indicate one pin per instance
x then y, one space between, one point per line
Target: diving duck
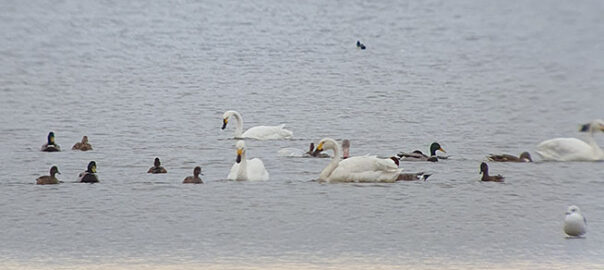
83 145
484 169
524 157
89 176
50 145
195 178
419 156
157 168
49 179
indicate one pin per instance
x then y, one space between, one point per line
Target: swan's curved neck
594 146
242 173
332 165
238 125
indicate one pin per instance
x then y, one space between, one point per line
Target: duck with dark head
195 179
49 179
419 156
484 169
50 145
157 168
89 176
83 145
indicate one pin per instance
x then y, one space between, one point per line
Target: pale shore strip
301 266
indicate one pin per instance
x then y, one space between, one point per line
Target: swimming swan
357 169
573 149
258 132
245 169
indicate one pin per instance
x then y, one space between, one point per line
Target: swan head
225 118
526 156
91 167
54 170
395 159
436 147
51 138
327 143
240 150
595 125
573 209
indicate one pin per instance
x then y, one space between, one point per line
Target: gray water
153 79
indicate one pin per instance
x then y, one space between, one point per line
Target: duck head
85 139
157 163
51 138
91 167
484 168
197 171
436 147
54 170
526 156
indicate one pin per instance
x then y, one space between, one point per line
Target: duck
524 157
50 145
410 176
83 145
573 149
244 169
419 156
49 179
157 168
312 152
359 169
89 176
484 169
361 45
195 178
257 132
574 222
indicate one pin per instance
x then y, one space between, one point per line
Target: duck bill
93 169
584 128
442 150
224 123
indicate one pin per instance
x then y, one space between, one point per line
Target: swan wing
566 149
365 169
256 170
268 133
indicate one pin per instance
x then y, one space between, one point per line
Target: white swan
357 169
573 149
258 132
574 222
244 169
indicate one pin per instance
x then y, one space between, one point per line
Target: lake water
153 79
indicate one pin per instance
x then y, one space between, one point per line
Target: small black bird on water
361 45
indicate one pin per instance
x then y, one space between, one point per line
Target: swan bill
225 121
320 146
239 152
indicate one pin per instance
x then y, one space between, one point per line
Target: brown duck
524 157
49 179
83 145
195 178
484 169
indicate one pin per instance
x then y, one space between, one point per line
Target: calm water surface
153 79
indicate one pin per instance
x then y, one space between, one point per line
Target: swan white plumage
245 169
574 222
362 169
573 149
257 132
